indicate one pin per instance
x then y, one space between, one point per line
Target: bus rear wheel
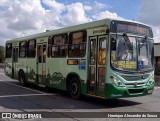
75 88
22 79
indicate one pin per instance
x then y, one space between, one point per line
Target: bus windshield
131 53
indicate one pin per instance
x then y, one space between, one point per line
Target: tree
1 54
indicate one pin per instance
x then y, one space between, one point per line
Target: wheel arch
19 72
71 75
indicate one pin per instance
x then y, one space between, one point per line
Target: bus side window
77 44
59 45
8 50
22 49
49 46
31 48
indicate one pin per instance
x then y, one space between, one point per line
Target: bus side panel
8 67
31 70
57 71
22 65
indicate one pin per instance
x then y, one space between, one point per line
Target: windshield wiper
143 41
127 41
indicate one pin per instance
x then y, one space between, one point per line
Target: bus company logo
143 76
6 115
135 84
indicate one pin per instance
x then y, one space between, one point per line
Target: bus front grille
132 84
135 78
135 91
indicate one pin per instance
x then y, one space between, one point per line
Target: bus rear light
91 82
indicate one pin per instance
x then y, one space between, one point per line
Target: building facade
157 58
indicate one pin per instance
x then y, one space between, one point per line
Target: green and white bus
109 58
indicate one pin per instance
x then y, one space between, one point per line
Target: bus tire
22 78
75 88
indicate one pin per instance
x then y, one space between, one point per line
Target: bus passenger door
41 63
97 65
15 62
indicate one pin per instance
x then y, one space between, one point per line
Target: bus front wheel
75 88
22 79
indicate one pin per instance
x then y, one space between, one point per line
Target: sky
20 18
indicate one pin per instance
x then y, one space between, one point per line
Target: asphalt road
15 98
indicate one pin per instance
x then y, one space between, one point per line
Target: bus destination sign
133 29
127 27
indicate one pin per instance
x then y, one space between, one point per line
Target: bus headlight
151 81
116 81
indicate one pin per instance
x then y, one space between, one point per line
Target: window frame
84 42
28 49
6 54
21 48
65 45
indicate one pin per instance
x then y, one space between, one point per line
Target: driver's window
143 54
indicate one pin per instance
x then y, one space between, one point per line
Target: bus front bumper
112 91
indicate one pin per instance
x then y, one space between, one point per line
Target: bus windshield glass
131 53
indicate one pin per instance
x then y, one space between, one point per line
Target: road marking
24 95
2 73
23 87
